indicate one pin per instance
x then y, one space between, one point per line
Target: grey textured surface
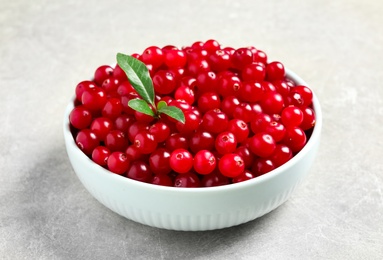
47 47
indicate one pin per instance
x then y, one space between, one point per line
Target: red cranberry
101 126
80 117
214 179
139 171
201 140
231 165
204 162
187 180
102 73
87 140
181 161
100 155
214 121
262 144
118 162
159 161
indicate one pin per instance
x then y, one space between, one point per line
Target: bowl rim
315 136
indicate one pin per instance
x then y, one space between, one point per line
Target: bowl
194 209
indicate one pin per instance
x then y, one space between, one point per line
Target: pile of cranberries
243 117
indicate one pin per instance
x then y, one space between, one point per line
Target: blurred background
47 47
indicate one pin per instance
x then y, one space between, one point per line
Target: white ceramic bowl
194 208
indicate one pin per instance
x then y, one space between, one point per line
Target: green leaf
138 75
141 106
161 104
173 112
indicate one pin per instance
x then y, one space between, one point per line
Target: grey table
47 47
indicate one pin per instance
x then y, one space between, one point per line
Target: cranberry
204 162
241 58
308 119
229 104
100 155
260 56
251 91
276 130
135 128
246 155
175 58
125 88
295 138
275 71
169 48
102 73
119 74
198 45
112 108
219 60
196 54
123 122
87 140
145 142
125 101
111 85
153 55
116 140
133 153
229 85
305 93
181 104
192 122
260 123
118 162
94 98
201 140
162 180
206 81
214 179
262 166
181 161
244 112
187 180
225 143
185 93
139 171
211 46
282 87
254 72
246 175
197 66
281 155
262 144
268 86
159 161
231 165
208 101
176 141
80 117
294 99
291 116
82 86
160 131
101 126
272 103
215 121
239 128
256 108
164 82
229 50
